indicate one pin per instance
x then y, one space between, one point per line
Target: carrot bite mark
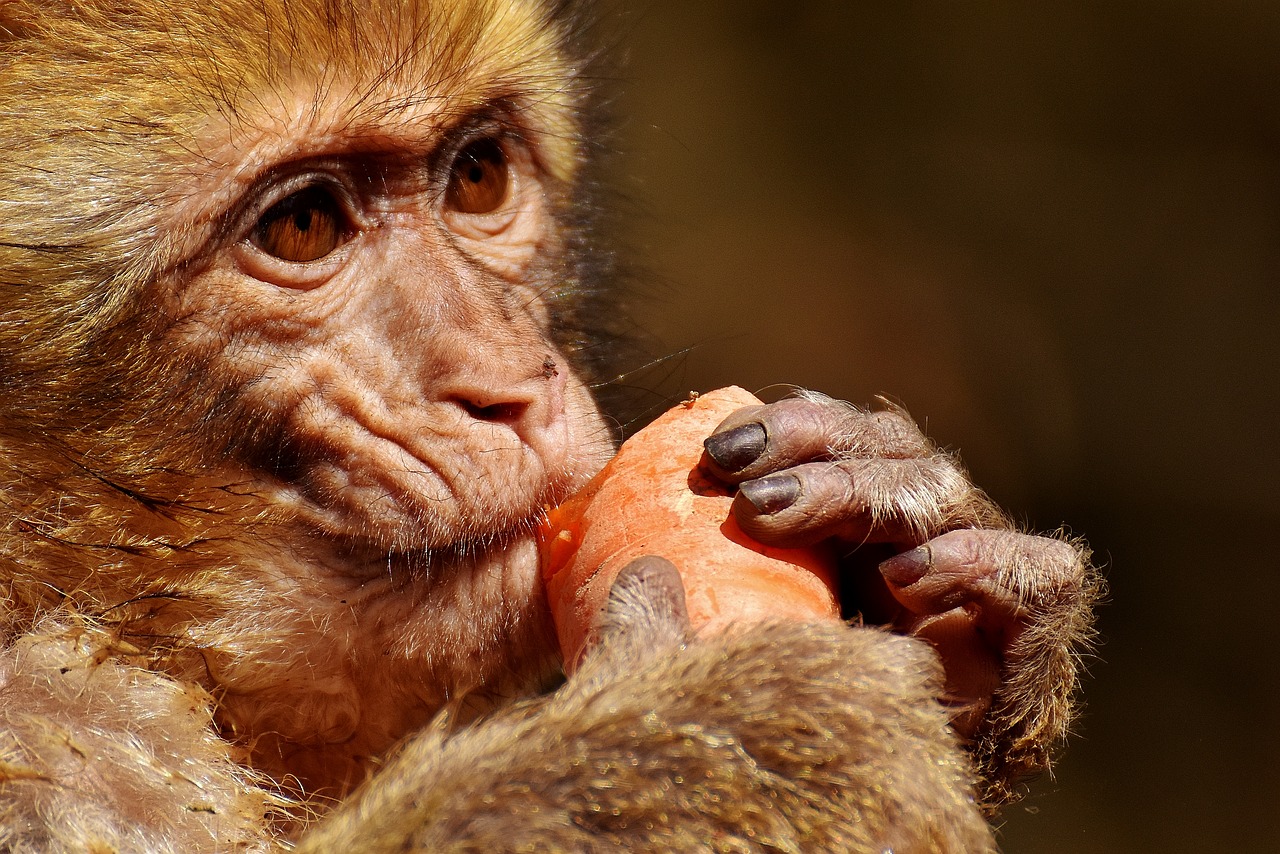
653 499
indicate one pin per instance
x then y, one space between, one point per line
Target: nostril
507 412
529 406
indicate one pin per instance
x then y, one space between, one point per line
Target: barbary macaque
301 308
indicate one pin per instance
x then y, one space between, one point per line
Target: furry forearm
787 737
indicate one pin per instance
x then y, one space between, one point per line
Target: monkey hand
928 554
788 736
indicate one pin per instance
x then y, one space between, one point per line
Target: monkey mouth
401 474
400 496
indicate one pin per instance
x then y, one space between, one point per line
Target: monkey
303 305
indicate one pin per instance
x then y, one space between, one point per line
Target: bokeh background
1050 230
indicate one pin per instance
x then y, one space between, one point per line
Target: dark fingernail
771 494
907 568
738 448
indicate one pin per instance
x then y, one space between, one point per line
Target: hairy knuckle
1041 570
1066 562
900 435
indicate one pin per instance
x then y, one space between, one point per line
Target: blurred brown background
1050 230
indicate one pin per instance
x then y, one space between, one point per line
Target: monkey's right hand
786 736
928 554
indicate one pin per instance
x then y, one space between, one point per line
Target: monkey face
376 306
384 322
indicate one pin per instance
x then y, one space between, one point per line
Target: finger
1001 579
647 592
858 500
757 440
645 610
1005 574
982 598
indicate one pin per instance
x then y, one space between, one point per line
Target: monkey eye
305 226
480 179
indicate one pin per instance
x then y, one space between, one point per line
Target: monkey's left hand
926 553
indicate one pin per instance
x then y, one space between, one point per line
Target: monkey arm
97 755
786 737
927 554
798 737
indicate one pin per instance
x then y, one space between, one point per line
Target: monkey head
337 263
294 291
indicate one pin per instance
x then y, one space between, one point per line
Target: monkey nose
531 408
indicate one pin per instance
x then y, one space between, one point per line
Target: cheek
589 443
409 416
234 334
435 475
374 449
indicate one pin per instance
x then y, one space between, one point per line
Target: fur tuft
69 710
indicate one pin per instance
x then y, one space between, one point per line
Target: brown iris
480 179
306 226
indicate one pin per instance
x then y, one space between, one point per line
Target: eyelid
520 157
275 190
492 122
259 264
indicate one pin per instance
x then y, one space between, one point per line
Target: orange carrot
653 499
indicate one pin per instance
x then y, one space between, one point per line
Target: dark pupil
305 226
481 153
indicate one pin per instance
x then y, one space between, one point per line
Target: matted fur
755 759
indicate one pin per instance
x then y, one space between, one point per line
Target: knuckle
852 431
834 489
1038 570
949 481
1066 562
913 497
899 435
969 547
1043 569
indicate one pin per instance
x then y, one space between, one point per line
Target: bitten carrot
652 498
